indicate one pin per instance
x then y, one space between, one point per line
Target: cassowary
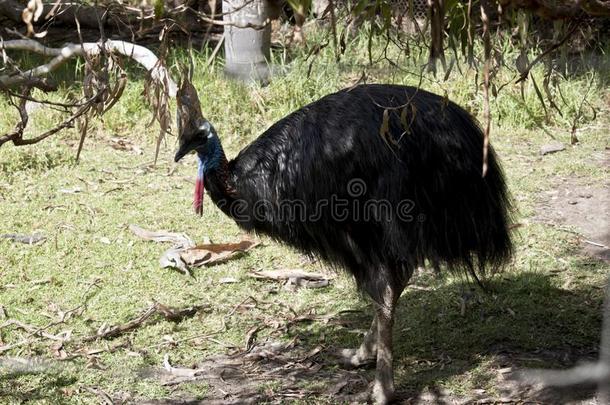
375 179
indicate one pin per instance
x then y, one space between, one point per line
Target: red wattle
198 200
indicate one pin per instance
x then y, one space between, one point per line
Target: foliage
550 296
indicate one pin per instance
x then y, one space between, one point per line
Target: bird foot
382 392
355 357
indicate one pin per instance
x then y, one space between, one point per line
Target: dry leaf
162 236
213 253
171 258
27 239
294 278
125 145
185 254
179 371
74 190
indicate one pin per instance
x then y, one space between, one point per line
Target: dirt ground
294 375
570 204
584 208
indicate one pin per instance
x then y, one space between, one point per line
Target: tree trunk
64 12
437 29
247 39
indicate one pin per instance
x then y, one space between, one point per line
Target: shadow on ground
441 335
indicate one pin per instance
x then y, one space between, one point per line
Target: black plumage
375 179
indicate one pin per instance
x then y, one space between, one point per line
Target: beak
183 150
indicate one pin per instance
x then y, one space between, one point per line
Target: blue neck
210 159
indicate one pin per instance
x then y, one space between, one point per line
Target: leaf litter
238 378
33 239
293 278
164 312
185 254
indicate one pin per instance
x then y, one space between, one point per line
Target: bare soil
584 208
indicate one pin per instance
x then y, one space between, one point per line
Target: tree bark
437 30
64 13
140 54
247 39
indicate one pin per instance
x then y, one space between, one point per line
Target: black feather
425 154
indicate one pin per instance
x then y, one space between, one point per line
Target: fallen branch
33 331
17 136
167 313
26 239
162 236
11 346
61 11
24 365
293 278
140 54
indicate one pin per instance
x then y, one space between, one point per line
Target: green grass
548 301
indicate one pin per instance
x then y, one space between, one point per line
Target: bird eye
204 130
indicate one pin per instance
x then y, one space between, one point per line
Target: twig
590 242
11 346
168 313
120 329
103 396
33 331
16 137
214 52
554 46
140 54
249 298
486 69
199 336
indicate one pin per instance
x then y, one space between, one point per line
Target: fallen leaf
27 239
179 371
285 274
171 258
505 370
58 350
74 190
293 283
213 253
251 337
125 145
294 278
162 236
228 280
185 254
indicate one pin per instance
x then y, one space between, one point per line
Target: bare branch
140 54
553 47
69 123
20 126
486 109
554 9
64 12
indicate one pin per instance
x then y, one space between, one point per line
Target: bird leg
366 353
383 388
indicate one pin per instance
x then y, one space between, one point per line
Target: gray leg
383 388
366 353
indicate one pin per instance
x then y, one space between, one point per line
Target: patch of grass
547 302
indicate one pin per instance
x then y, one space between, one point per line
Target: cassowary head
196 134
